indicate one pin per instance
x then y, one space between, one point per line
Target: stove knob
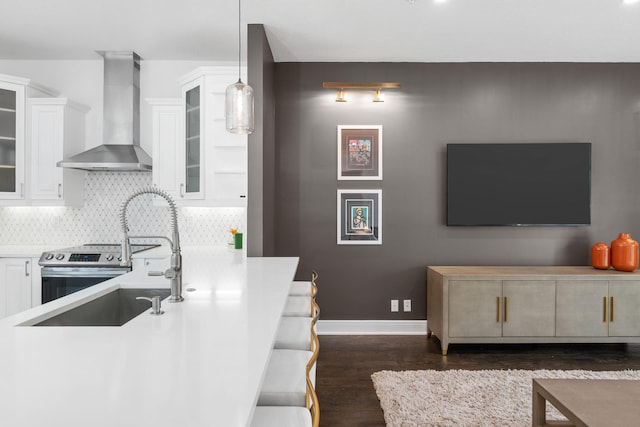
120 258
48 256
59 256
109 257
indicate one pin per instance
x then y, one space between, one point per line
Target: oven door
60 281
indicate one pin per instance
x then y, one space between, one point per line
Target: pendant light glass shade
239 97
239 107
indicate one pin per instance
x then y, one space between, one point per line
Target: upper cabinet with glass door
11 140
192 188
13 92
194 157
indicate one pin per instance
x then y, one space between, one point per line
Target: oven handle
83 272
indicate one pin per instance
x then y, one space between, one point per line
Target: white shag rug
460 398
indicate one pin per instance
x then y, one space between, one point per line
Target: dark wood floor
344 369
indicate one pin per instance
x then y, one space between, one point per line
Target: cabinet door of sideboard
582 308
529 308
624 312
475 308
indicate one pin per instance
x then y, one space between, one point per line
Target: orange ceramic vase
624 253
600 256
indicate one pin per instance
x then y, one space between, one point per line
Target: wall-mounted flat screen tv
519 184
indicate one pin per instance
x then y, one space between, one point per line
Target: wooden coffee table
593 403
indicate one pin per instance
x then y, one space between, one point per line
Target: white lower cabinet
15 285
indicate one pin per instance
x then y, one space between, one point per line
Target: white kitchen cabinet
56 129
166 134
195 158
15 285
13 94
36 282
192 160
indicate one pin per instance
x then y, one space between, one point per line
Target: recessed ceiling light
630 1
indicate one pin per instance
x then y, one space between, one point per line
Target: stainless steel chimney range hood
121 149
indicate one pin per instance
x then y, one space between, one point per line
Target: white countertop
24 251
200 364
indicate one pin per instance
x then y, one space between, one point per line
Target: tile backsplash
97 221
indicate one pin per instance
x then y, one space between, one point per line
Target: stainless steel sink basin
113 309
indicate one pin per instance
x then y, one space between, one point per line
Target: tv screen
519 184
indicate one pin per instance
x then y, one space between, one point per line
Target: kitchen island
199 364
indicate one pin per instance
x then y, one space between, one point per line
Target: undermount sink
113 309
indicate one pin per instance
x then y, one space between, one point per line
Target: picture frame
359 217
359 152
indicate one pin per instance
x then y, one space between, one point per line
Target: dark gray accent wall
437 104
261 149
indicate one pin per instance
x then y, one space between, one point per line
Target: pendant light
239 98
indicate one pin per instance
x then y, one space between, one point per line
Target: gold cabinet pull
497 309
611 305
506 309
604 309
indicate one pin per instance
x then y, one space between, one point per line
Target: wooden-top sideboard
481 304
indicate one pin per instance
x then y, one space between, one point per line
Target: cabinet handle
181 190
497 309
22 189
604 309
506 309
26 268
59 191
611 305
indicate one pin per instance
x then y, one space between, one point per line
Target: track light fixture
377 87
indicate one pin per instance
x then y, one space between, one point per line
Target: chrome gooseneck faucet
174 273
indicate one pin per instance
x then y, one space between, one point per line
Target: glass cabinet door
8 127
192 148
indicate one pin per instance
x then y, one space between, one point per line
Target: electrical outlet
407 305
394 305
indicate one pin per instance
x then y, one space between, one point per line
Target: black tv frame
560 171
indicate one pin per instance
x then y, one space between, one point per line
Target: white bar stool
294 333
289 416
285 381
302 288
298 306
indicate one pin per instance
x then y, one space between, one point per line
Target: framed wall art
359 152
359 217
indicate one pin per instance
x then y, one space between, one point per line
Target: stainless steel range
68 270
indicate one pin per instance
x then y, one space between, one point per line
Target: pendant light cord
239 38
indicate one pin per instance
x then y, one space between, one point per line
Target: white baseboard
372 327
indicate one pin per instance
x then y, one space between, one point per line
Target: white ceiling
326 30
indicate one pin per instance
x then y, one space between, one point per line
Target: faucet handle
156 305
169 273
